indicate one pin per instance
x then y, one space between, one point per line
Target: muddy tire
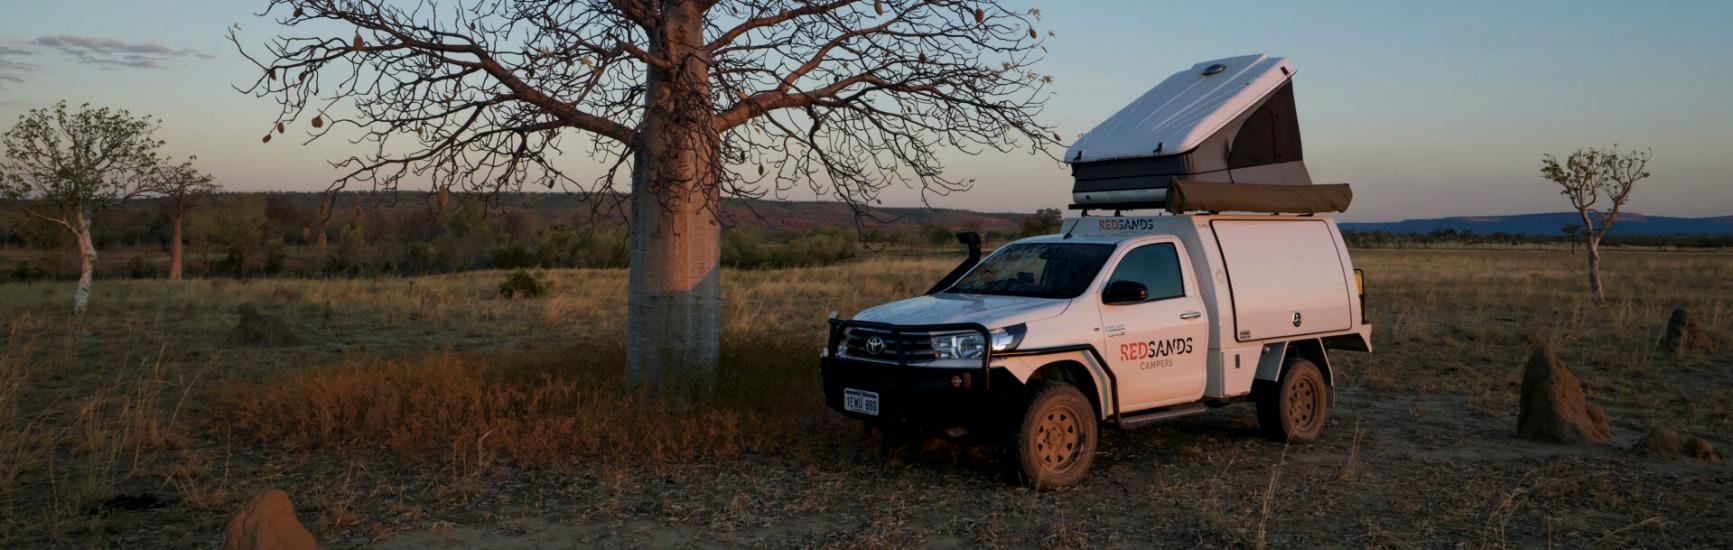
1293 410
1053 445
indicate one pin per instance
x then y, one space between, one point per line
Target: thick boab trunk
674 290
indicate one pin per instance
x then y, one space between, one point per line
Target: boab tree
63 167
183 189
698 99
1587 178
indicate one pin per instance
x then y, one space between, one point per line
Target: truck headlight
1008 337
958 346
970 345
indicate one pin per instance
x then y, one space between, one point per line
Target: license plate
864 402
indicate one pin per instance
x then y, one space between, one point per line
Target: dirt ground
1420 448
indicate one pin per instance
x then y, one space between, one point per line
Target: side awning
1193 196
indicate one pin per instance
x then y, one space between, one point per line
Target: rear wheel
1054 444
1293 410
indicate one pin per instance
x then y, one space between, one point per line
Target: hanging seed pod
444 196
267 138
879 6
980 16
279 127
760 169
587 61
302 78
299 12
358 42
271 74
318 121
1057 137
1032 33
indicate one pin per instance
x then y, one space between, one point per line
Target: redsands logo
1134 351
1124 224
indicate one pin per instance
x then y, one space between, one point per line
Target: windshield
1040 270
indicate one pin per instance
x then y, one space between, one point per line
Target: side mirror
1124 292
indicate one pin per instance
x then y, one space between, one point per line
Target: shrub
275 257
234 262
520 284
24 272
513 257
139 268
601 246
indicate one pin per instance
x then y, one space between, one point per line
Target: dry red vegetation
472 409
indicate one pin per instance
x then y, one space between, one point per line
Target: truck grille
917 345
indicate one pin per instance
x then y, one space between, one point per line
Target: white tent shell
1228 120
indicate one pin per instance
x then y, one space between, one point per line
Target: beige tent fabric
1192 196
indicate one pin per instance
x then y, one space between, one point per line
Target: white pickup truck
1125 321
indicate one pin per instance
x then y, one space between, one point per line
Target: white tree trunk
674 288
1594 253
86 259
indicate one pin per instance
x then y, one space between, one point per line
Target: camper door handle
1189 315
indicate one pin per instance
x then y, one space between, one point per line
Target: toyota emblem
875 345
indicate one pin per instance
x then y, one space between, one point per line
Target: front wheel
1055 443
1293 409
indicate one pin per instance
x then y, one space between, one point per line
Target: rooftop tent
1226 121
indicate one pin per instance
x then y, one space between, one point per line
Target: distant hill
1549 224
576 209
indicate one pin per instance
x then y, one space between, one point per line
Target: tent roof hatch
1229 121
1179 113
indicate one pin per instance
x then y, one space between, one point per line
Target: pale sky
1429 108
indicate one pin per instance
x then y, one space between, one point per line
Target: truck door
1157 346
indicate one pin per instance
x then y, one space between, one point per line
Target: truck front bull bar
837 327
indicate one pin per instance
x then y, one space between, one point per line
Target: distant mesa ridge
1550 224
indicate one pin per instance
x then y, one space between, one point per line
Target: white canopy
1181 112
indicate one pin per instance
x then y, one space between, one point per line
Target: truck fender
1080 366
1275 355
1074 373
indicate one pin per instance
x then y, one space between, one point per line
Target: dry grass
413 399
537 409
1468 316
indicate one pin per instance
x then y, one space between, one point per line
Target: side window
1154 265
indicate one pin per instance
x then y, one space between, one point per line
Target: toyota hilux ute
1125 321
1130 320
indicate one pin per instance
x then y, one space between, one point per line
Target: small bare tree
1588 177
62 167
700 99
183 189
